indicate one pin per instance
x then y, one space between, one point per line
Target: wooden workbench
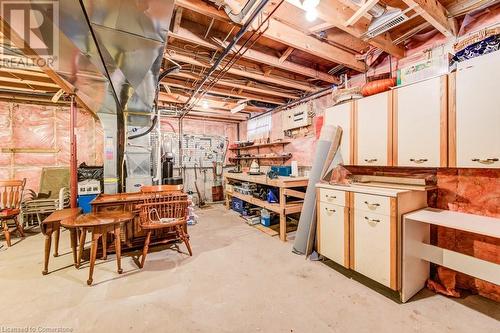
286 187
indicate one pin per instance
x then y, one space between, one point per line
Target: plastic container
84 202
265 217
237 205
282 170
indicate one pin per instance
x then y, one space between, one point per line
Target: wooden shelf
274 207
261 145
284 157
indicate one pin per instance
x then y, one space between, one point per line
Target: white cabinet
373 130
341 115
332 229
420 133
372 246
476 117
364 234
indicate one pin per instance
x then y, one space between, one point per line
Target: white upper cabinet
341 115
373 120
420 137
477 113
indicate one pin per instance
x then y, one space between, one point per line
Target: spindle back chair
11 195
164 210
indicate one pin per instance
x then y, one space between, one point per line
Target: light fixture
310 4
311 14
205 105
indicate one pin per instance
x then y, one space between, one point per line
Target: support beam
282 33
434 13
177 19
361 12
257 56
286 54
336 13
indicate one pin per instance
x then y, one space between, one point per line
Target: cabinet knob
372 220
485 161
370 160
418 160
330 210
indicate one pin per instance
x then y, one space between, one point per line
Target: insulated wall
43 134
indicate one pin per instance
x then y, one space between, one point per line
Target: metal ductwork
111 51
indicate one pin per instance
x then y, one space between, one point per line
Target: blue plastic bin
282 170
237 205
84 202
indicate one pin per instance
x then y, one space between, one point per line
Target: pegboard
199 150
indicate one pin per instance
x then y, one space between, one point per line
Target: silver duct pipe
111 51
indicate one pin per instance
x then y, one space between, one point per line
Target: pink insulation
45 128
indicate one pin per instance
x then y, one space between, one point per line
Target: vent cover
386 22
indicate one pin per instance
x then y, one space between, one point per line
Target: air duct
238 10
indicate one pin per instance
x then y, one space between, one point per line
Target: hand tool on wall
201 200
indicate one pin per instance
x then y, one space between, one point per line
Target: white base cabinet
365 233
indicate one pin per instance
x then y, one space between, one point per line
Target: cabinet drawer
372 203
372 246
333 232
332 196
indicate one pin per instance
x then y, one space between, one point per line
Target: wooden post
73 158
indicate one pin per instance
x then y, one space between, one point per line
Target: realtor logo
31 38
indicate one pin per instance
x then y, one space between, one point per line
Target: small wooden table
100 224
53 224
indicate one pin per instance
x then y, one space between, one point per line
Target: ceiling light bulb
311 15
205 105
310 4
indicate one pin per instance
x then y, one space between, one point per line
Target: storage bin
282 170
237 205
84 202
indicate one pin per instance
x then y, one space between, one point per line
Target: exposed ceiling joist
177 19
257 56
249 87
220 91
256 76
361 11
336 13
435 13
282 33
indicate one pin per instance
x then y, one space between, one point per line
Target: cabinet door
373 126
420 137
333 233
478 112
341 115
372 246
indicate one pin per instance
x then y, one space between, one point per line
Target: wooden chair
11 194
164 210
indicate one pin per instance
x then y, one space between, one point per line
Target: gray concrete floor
239 280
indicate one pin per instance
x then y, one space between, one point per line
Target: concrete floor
239 280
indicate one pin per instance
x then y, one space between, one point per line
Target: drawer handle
372 205
330 210
485 161
372 220
418 160
331 197
370 160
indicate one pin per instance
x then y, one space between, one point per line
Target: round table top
97 219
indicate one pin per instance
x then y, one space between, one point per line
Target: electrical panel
296 117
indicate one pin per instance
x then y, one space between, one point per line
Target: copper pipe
73 164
